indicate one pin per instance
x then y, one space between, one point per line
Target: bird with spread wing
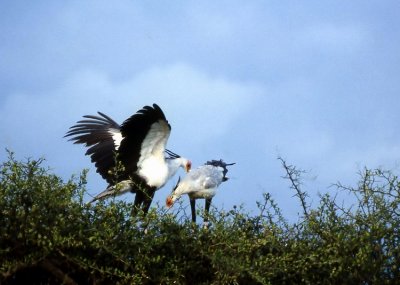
200 183
131 157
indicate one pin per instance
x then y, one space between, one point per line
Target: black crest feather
220 163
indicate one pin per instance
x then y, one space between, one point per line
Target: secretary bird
131 157
200 183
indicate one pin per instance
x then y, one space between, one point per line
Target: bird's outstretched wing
145 135
103 137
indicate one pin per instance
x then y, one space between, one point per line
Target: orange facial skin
169 202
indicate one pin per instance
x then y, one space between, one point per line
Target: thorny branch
293 175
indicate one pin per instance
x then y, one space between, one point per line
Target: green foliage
49 235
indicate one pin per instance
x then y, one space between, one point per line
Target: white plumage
200 183
132 156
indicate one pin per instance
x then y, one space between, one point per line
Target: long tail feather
115 190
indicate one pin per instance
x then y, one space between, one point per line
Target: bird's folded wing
210 182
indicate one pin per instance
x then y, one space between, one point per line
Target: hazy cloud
331 37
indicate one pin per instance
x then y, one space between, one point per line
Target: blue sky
316 82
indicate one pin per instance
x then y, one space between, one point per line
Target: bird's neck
173 165
181 189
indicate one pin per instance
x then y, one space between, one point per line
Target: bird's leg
139 197
193 208
206 211
148 197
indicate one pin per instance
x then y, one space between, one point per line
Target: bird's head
178 161
170 201
173 197
187 165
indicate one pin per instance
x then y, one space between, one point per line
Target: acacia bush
49 235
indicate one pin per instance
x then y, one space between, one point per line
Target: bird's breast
154 170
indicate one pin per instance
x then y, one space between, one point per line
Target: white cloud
197 102
200 108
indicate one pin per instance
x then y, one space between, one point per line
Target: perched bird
132 156
200 183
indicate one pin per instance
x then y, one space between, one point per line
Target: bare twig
293 175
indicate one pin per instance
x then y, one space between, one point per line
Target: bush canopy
50 235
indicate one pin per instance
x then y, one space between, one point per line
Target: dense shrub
49 235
